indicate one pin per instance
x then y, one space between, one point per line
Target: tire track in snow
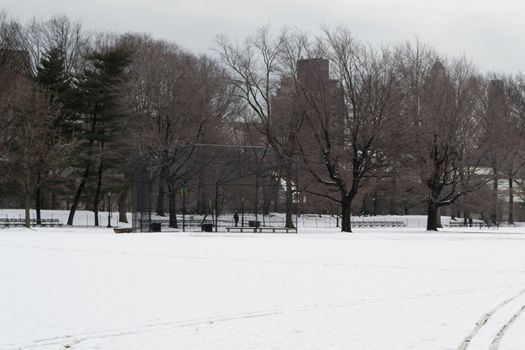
497 339
486 317
74 339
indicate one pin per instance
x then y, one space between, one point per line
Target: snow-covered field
83 288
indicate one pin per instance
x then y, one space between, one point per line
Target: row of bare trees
421 128
358 116
75 105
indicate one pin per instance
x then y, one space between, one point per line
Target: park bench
240 229
477 223
123 230
374 223
259 229
7 222
457 224
49 222
275 229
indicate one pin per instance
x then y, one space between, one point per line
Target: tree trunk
438 218
162 184
494 216
511 200
374 203
346 212
53 201
364 210
27 199
96 200
289 203
275 189
160 198
123 207
432 215
80 189
27 206
87 170
38 205
201 206
392 206
217 203
172 202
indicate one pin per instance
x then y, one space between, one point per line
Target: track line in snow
118 332
497 339
486 317
73 339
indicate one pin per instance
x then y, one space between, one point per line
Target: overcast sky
490 32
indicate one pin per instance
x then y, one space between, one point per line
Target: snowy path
89 289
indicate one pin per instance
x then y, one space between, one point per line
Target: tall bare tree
255 68
179 99
444 147
352 120
28 141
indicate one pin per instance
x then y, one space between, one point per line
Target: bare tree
351 126
179 99
514 135
29 140
443 148
39 37
255 68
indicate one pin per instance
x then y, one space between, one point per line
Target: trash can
207 227
253 223
155 227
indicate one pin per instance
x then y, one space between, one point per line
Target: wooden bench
241 229
260 229
373 223
21 222
123 229
457 224
479 224
49 222
275 229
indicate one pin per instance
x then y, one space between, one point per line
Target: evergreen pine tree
101 89
55 83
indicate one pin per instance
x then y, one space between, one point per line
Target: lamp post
109 210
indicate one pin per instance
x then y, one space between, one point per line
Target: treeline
75 105
401 122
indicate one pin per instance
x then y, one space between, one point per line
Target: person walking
236 218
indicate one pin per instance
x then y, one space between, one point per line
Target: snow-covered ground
85 288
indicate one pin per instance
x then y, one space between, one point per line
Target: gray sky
490 32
